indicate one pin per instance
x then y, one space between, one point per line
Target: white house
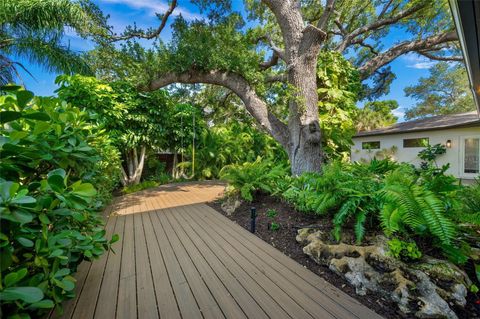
460 133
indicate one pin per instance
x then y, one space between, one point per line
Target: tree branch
329 7
237 84
275 48
272 62
384 58
282 77
440 58
149 35
378 24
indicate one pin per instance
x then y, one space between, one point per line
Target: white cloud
416 61
156 6
399 113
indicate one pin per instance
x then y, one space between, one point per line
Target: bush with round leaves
49 221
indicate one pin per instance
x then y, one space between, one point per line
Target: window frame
462 157
416 138
371 148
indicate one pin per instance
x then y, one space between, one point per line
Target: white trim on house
454 155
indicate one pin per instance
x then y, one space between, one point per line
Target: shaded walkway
179 258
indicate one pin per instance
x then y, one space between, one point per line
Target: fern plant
409 206
247 178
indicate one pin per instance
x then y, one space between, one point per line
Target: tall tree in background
280 55
376 114
444 91
34 29
137 122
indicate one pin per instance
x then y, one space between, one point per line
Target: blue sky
408 68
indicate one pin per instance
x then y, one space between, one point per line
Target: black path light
253 217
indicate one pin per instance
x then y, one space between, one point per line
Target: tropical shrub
48 209
247 178
234 143
135 122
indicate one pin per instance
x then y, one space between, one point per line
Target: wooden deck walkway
179 258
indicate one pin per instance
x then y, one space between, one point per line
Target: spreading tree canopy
273 64
444 91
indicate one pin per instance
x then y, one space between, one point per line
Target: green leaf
24 200
84 190
39 116
58 171
114 239
62 272
41 127
23 97
25 242
44 304
56 182
22 217
44 219
9 116
56 253
26 294
7 189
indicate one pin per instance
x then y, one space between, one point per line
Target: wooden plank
167 304
249 265
185 299
107 298
226 290
127 299
147 304
250 296
207 303
294 290
336 300
85 307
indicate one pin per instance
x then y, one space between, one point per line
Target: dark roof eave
373 133
466 15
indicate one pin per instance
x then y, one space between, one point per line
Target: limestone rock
425 288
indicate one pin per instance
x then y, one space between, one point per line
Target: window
371 145
472 155
415 142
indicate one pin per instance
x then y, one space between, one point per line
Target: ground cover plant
399 200
49 220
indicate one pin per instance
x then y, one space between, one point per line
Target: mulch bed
284 240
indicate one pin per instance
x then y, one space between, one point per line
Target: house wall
454 155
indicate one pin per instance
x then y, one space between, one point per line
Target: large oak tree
277 58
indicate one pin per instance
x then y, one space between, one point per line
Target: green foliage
274 226
406 251
271 213
48 210
375 115
339 86
411 207
346 189
402 200
469 210
34 30
131 118
444 91
234 143
430 153
140 186
247 178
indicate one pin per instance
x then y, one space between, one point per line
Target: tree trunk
305 151
135 164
